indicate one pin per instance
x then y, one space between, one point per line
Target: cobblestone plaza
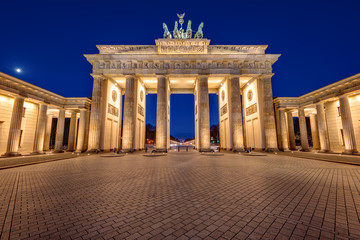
181 196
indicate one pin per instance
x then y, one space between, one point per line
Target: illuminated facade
175 66
26 113
240 75
334 113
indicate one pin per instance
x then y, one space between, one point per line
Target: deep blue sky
318 40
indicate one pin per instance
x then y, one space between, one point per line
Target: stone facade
241 75
334 113
26 114
175 66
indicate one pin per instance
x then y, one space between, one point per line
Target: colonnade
43 129
319 128
201 93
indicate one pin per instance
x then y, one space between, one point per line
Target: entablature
256 64
153 49
14 86
347 86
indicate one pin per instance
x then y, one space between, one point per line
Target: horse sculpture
188 30
176 31
167 34
199 33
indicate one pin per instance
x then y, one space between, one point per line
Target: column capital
263 76
97 76
200 76
343 96
159 75
130 76
20 96
231 76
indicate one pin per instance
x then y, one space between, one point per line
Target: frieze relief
167 46
104 49
251 109
182 65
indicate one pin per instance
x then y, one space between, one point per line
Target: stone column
161 114
40 130
119 121
204 117
236 116
347 124
95 116
129 114
72 132
303 130
15 127
60 132
81 131
322 126
269 117
314 131
87 130
283 130
291 130
48 132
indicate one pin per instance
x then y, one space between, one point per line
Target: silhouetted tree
214 132
150 132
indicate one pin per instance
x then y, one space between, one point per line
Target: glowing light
18 70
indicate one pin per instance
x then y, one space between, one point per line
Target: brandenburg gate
181 63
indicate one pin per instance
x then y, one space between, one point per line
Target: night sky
318 40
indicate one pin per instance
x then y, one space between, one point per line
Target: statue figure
176 31
199 33
167 34
188 30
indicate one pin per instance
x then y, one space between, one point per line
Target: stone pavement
330 157
9 162
181 196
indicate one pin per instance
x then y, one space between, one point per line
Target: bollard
178 148
187 148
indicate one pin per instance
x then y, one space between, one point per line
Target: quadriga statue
176 31
167 34
188 30
199 33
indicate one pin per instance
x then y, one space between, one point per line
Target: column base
93 151
37 153
350 151
160 150
205 150
236 150
58 151
285 150
325 151
127 150
271 150
11 154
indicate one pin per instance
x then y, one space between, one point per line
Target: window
339 112
24 110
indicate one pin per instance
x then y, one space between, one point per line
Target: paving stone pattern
181 196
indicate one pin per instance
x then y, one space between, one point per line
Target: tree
150 133
214 133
